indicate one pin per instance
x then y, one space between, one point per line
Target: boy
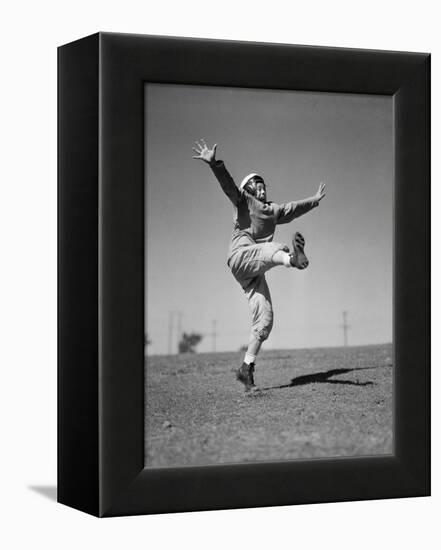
252 250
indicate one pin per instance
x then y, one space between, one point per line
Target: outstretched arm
223 176
295 209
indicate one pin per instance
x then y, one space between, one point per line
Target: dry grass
314 403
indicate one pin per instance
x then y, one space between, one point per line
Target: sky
294 140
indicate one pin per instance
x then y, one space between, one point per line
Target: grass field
314 403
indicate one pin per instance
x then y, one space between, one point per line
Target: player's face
260 192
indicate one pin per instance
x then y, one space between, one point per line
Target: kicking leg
253 261
249 262
297 258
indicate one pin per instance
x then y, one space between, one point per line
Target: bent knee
263 329
262 334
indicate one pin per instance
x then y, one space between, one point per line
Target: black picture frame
101 273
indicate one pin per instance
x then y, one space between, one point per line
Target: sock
249 358
286 259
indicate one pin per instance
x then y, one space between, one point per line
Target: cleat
245 375
298 258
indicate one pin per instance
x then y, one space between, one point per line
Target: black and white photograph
221 248
269 249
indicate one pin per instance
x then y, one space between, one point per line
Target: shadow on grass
322 378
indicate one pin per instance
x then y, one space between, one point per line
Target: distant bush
189 342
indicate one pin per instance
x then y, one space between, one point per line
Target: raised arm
223 176
295 209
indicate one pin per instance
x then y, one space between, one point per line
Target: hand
321 192
204 153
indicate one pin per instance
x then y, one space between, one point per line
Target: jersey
255 221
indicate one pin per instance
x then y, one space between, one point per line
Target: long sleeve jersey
255 221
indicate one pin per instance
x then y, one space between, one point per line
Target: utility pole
213 335
345 327
178 329
170 332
